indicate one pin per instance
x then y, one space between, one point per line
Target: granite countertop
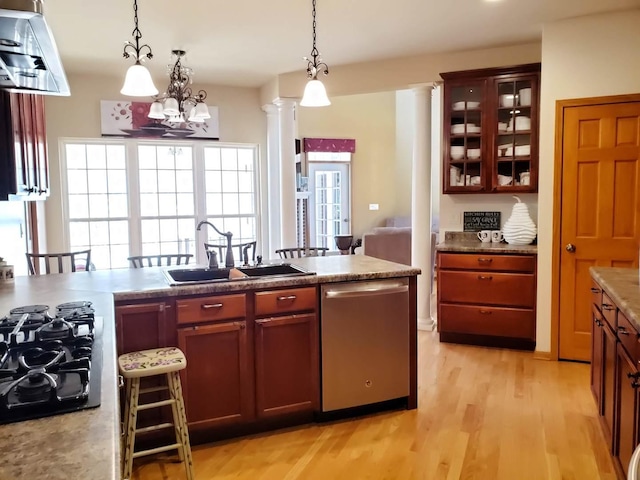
85 444
623 286
467 242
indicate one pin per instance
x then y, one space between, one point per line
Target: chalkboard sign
476 221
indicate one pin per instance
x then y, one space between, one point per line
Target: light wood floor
483 414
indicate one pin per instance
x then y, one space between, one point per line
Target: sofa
391 242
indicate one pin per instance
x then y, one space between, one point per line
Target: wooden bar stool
158 361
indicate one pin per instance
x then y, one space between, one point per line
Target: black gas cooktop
50 360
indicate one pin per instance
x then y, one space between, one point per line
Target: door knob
570 247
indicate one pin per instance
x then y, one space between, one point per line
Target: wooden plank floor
483 414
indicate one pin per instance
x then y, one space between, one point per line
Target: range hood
29 59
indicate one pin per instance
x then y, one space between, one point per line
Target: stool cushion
151 362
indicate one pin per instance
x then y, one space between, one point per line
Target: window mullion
133 179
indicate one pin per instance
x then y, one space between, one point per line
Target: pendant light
315 94
138 82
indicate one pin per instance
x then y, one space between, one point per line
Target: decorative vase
519 229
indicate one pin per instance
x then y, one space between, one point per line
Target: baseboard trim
538 355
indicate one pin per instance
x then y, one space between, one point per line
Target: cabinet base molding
488 341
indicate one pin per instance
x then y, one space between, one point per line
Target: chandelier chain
315 64
129 48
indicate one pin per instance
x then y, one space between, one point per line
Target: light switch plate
374 206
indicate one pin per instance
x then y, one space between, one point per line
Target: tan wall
370 119
584 57
401 73
78 116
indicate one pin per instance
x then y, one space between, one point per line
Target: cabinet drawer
283 301
480 320
609 311
473 261
487 288
628 336
596 294
209 309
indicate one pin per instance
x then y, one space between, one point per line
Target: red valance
330 145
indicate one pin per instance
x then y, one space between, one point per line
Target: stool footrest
161 403
161 388
151 451
153 428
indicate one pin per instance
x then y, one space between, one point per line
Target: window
126 198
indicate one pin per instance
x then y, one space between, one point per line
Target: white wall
78 116
584 57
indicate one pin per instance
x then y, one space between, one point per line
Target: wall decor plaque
476 221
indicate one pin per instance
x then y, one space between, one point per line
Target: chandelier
315 94
138 82
178 104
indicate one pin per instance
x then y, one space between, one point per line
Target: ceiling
248 42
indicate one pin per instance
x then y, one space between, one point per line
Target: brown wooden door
217 383
287 377
626 418
600 209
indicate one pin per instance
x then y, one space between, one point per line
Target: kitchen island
85 444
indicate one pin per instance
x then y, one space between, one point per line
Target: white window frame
133 190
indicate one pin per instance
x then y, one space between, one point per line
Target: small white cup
484 236
496 236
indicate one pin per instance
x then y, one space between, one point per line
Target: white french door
329 202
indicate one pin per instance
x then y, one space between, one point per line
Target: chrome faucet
228 262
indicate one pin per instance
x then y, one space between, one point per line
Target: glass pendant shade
202 111
193 116
138 82
315 95
156 111
171 107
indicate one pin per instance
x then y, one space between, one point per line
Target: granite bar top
468 242
85 444
622 285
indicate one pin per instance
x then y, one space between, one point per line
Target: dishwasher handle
362 292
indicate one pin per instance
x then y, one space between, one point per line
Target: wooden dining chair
299 252
240 248
64 262
169 259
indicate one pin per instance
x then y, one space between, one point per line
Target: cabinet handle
240 325
607 306
482 277
622 331
208 306
486 312
598 322
633 375
484 260
260 322
120 381
595 290
288 297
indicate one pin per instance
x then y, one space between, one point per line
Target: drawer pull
209 306
622 331
484 260
598 322
486 312
287 297
607 306
634 379
482 277
261 322
595 290
240 325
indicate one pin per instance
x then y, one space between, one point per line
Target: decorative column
272 233
286 122
421 203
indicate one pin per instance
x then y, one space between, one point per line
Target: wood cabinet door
600 209
287 359
597 348
218 381
40 155
143 326
627 407
609 382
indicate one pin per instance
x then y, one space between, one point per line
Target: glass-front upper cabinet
491 130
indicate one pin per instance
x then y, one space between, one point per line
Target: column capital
270 109
284 102
424 87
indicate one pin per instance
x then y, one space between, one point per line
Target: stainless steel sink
185 276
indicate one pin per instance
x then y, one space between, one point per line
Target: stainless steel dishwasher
365 342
